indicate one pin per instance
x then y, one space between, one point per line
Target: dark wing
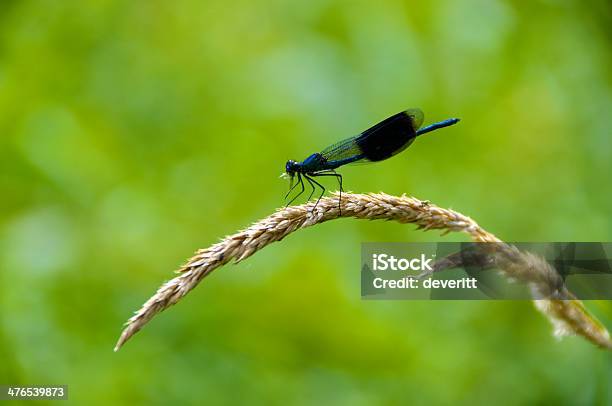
391 136
413 116
379 142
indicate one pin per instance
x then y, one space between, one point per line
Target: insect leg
312 186
301 182
320 185
291 188
339 178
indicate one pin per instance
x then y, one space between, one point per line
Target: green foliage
132 133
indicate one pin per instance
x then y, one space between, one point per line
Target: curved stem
568 316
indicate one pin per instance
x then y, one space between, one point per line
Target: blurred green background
133 133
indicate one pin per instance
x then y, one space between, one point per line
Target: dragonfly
382 141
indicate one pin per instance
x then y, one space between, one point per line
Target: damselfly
385 139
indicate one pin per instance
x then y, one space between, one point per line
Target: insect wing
390 136
416 116
342 150
379 142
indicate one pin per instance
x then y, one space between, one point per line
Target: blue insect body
384 140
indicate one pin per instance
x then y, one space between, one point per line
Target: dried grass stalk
567 314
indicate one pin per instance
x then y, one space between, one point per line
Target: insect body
384 140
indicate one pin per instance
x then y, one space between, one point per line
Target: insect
386 139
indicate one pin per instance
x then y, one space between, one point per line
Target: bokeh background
133 133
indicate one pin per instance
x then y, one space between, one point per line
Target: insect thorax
313 163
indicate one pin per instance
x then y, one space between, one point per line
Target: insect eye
291 167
